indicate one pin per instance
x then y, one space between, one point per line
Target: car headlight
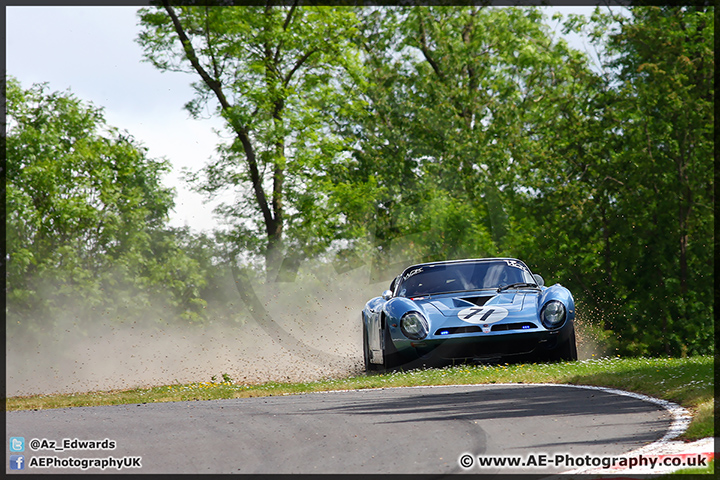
414 326
553 314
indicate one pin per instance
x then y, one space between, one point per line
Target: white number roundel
478 315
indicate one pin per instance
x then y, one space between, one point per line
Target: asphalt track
395 430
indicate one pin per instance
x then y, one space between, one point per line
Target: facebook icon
17 462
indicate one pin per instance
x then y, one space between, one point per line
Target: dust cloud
592 341
312 331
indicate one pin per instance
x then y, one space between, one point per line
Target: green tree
86 213
275 74
454 137
622 188
664 58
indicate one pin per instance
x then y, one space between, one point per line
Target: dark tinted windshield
455 277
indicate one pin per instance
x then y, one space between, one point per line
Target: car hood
451 306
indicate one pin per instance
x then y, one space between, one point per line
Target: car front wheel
566 351
391 357
369 367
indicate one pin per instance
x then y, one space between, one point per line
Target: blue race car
467 310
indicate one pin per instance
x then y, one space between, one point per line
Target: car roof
465 260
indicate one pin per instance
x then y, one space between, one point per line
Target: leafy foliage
86 221
651 182
275 74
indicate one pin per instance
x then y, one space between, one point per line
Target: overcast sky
92 52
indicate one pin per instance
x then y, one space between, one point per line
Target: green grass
686 381
710 469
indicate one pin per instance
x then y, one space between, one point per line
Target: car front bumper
483 345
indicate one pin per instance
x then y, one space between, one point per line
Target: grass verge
691 471
686 381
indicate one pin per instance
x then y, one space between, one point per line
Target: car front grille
495 328
513 326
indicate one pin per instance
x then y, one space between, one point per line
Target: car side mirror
387 295
539 280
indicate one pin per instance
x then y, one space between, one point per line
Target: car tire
566 351
391 356
369 367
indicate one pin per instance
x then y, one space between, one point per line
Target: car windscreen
456 277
